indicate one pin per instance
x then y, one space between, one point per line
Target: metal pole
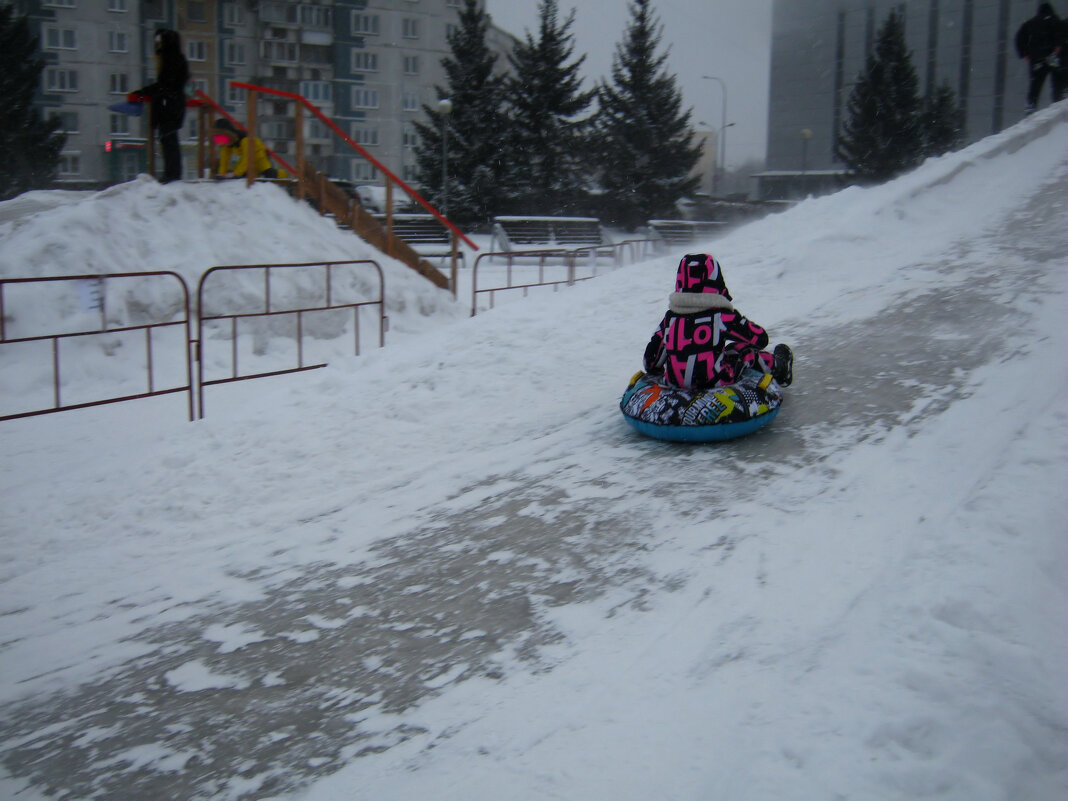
444 109
722 128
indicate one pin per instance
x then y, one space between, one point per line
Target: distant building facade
819 47
369 65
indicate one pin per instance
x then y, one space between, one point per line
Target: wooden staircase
331 199
324 193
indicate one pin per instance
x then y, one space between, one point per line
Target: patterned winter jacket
703 341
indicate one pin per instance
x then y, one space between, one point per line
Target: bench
422 232
683 232
508 232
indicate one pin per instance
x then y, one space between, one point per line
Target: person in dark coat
1039 43
1059 76
167 96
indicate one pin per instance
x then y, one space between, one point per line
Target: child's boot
783 369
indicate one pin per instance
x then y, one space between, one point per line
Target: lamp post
445 109
806 134
722 128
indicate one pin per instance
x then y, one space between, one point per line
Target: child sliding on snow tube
703 341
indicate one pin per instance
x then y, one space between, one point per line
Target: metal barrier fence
84 313
327 303
83 297
567 260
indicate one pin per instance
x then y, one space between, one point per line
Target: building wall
92 56
819 47
370 65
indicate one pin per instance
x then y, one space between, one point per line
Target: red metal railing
98 283
391 179
206 101
329 303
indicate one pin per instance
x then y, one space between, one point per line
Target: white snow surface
448 569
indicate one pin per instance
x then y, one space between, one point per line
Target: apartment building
819 47
368 65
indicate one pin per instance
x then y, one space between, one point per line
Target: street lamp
445 109
722 127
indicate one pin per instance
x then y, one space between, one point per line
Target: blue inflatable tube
669 413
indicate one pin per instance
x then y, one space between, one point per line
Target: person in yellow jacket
234 144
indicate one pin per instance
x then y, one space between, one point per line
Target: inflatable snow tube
709 415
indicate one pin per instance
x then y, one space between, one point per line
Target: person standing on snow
167 96
703 341
1039 43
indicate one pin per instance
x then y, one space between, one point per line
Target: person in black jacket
1039 42
167 96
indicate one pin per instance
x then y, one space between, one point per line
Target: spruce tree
942 122
645 149
550 128
882 136
476 127
29 145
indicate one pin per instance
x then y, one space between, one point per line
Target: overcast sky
730 39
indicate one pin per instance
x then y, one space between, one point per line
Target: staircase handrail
348 140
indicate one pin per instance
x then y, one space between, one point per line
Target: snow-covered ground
448 569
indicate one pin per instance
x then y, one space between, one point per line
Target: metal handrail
348 140
207 99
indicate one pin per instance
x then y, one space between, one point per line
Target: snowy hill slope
448 569
188 228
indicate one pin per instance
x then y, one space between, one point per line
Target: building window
235 53
410 101
60 38
316 16
70 164
153 9
363 171
194 10
200 85
368 137
68 122
316 91
235 94
411 65
120 124
118 83
279 12
364 98
233 14
196 50
316 130
117 42
452 3
364 24
276 130
117 5
364 61
410 28
60 3
60 80
279 51
410 137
